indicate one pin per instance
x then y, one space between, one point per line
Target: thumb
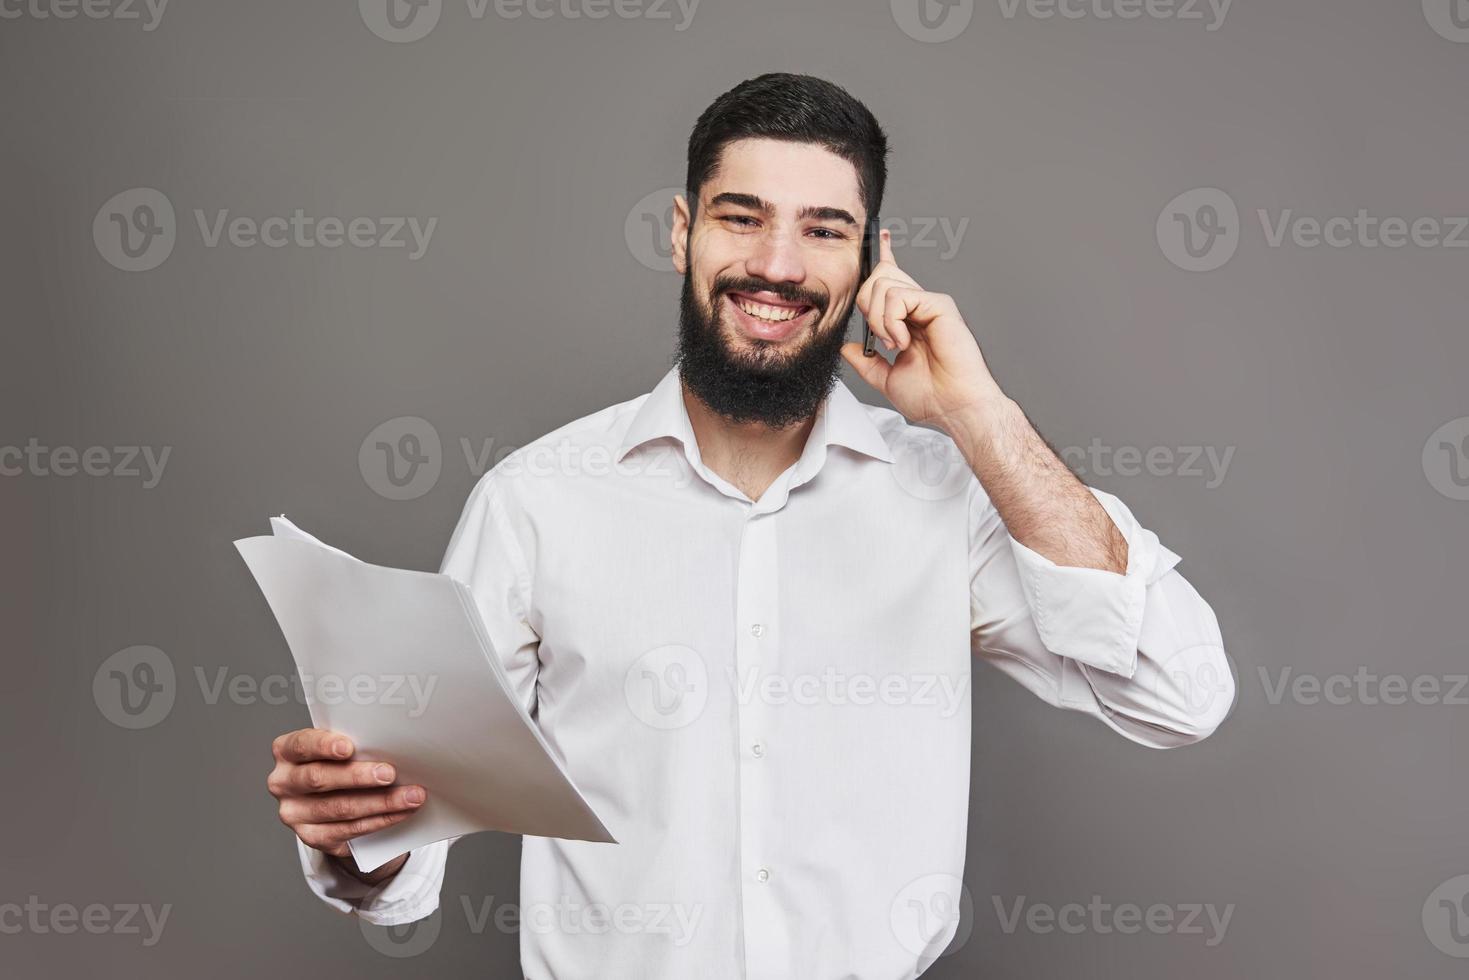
874 370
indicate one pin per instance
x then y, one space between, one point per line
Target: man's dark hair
799 109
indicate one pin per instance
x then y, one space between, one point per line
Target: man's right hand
327 797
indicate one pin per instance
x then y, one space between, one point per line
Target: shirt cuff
1091 615
410 895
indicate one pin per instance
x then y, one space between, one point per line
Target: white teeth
773 314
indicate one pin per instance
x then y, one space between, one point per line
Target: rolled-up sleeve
1141 651
410 895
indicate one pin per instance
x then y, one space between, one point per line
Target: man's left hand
939 375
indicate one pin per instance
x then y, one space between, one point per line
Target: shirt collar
840 420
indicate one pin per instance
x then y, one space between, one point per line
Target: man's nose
776 259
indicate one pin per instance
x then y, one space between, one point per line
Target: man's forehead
786 174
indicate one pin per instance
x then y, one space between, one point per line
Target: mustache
789 292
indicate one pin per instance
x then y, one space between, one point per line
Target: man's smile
767 317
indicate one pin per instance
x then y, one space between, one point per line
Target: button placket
766 937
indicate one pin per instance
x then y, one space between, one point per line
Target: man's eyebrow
826 214
755 203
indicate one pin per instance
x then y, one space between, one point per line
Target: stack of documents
400 662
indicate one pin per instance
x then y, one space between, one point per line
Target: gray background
1326 548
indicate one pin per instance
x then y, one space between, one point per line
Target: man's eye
739 218
828 234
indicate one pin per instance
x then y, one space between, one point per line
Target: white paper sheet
400 662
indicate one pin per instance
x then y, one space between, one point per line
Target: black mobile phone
871 252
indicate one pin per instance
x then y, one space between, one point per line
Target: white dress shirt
767 701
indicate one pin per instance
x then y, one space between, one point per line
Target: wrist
981 427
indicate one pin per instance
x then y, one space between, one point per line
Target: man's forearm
1044 506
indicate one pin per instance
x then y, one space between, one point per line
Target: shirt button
762 876
758 749
757 630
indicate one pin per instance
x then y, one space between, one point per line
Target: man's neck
749 455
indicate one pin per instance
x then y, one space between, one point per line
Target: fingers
332 837
323 777
349 805
876 302
310 744
897 303
873 370
885 312
897 308
326 799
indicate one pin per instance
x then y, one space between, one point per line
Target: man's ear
682 224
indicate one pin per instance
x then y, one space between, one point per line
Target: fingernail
384 774
414 796
341 748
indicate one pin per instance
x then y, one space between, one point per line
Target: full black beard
768 386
